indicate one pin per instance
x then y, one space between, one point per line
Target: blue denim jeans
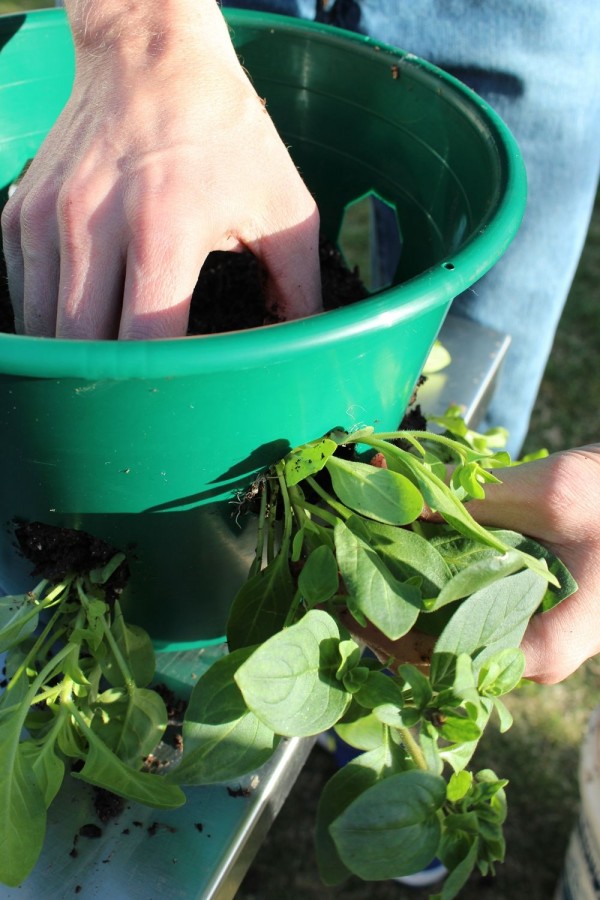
537 62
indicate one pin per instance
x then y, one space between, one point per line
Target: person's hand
556 501
163 153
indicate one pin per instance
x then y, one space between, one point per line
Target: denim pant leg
538 65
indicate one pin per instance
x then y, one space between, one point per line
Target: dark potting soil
107 805
229 294
56 552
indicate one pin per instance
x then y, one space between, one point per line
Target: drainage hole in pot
370 240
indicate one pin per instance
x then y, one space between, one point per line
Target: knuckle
145 210
73 204
35 216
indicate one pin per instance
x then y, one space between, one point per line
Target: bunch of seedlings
401 634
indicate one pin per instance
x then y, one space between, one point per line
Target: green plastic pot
146 444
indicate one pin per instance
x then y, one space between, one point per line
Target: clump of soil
229 294
56 552
107 805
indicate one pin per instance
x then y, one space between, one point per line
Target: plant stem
37 647
413 748
127 677
381 441
260 536
287 510
271 522
101 576
338 508
46 672
289 619
321 513
298 506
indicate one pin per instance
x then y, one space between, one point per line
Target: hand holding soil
163 153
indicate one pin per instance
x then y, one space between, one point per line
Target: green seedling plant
343 562
77 696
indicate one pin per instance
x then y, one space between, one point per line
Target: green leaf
18 619
361 729
308 460
420 685
566 584
379 494
136 649
22 806
103 769
309 537
374 593
70 741
350 781
439 497
222 738
261 605
405 553
494 618
429 741
459 875
459 729
438 359
392 828
459 755
319 580
290 682
379 689
350 654
131 723
48 768
464 686
354 680
478 575
468 480
459 784
502 672
504 715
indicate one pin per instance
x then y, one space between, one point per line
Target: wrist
143 28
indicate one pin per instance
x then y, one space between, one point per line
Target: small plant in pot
343 560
